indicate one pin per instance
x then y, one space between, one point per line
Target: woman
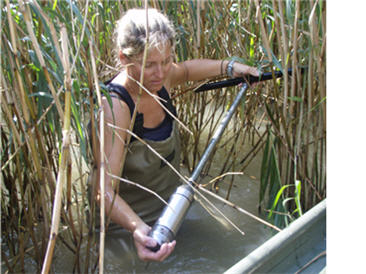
133 207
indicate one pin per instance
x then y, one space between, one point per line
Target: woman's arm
114 140
120 212
201 69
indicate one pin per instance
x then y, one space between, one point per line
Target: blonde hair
131 31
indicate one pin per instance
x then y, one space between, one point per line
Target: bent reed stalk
283 120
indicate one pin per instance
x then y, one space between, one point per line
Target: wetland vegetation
55 55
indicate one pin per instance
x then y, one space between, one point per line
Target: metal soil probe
166 227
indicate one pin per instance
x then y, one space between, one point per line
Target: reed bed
54 54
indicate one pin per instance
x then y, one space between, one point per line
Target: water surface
205 244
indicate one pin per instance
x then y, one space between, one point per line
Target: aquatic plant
54 56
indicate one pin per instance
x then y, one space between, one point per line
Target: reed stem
65 155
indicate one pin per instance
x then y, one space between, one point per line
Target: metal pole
218 133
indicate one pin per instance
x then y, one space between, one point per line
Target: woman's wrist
227 68
223 67
137 224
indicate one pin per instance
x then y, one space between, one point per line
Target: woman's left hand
142 241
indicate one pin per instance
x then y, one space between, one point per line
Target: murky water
204 244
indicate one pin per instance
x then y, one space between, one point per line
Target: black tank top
159 133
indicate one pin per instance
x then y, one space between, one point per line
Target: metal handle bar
247 79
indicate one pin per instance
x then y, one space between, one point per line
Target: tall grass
295 147
48 95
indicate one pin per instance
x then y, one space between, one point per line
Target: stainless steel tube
167 226
218 133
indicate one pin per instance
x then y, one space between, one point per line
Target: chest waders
142 166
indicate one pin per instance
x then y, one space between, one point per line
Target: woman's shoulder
116 111
118 94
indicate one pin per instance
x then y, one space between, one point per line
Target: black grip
236 81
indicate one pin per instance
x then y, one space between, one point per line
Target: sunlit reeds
284 120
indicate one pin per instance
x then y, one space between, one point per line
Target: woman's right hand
142 240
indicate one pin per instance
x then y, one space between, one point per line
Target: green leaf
295 98
54 5
251 51
318 104
279 193
274 58
297 196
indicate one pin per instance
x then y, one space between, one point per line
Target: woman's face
157 67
